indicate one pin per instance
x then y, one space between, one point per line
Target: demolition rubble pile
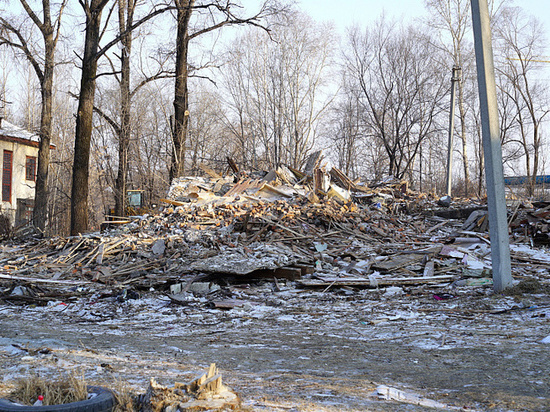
315 227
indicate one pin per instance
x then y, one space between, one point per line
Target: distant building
19 162
522 180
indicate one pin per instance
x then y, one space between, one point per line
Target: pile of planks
283 224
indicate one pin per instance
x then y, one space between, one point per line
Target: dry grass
66 389
126 400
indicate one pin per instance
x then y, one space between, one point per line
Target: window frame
27 163
7 173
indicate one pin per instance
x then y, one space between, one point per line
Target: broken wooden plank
341 179
228 303
38 280
429 269
379 281
240 187
232 165
209 171
172 202
313 161
286 175
269 188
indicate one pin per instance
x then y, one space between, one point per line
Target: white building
19 162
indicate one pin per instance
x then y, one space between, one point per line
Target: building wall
21 188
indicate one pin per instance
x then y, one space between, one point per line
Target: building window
6 176
30 168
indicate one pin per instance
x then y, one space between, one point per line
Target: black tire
103 401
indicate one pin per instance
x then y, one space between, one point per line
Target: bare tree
59 177
278 90
150 156
43 64
452 19
238 89
207 141
347 132
401 87
5 68
29 97
214 14
126 9
521 40
120 119
93 10
79 192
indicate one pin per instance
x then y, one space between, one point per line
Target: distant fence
521 180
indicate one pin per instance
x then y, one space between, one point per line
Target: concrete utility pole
454 79
496 199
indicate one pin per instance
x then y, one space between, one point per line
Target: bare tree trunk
536 156
41 189
465 162
45 73
79 191
181 95
125 17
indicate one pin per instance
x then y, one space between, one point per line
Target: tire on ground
103 401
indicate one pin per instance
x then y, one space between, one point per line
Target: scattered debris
316 227
445 201
232 249
392 394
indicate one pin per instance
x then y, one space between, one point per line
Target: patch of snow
285 318
11 130
11 350
539 254
393 291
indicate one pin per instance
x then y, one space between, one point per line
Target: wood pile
531 222
282 224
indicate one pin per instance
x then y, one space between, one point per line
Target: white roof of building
10 130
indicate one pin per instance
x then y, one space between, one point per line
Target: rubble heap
316 227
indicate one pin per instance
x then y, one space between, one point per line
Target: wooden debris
172 202
286 175
313 162
396 262
37 280
228 303
272 225
204 393
375 282
342 180
429 269
232 165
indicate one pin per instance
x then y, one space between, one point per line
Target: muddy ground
296 349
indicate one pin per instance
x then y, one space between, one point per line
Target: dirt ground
296 349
